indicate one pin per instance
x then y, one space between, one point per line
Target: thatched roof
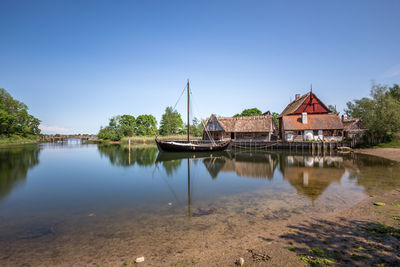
351 125
296 104
246 124
314 122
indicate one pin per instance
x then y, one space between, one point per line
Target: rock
141 259
241 261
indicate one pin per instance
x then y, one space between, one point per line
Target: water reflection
14 166
124 156
244 164
310 175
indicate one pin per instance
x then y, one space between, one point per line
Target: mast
188 120
189 197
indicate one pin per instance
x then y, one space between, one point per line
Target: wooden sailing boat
194 145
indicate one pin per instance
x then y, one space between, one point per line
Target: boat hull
168 146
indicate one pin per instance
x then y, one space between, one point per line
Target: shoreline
387 153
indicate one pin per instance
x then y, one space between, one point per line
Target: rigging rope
205 129
180 97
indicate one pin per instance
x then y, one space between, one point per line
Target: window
298 132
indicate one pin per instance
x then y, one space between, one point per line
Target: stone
241 261
141 259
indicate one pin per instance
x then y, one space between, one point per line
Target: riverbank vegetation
16 124
127 125
142 128
379 113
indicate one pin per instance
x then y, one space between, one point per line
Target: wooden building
254 128
307 118
352 128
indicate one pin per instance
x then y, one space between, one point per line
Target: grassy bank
150 139
8 141
392 144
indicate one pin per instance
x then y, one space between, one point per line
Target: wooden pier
293 146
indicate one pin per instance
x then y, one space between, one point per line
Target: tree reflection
122 156
14 165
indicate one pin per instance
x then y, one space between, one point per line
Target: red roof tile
314 122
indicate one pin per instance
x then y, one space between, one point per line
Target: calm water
70 201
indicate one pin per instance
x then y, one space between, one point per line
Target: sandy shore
387 153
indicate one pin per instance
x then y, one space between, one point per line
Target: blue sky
78 63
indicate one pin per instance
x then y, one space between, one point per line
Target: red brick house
308 118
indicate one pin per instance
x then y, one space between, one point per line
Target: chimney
297 96
304 117
344 117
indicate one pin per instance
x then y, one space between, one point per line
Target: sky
78 63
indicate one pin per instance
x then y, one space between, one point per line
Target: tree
380 114
171 122
395 91
196 128
144 124
275 116
127 125
14 117
333 109
249 112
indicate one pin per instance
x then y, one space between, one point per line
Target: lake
73 203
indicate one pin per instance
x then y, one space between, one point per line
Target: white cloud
392 72
53 129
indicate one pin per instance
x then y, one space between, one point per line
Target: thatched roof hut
245 127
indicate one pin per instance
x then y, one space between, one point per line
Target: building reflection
15 163
244 164
311 175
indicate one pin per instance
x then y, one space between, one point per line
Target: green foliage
380 114
126 125
144 124
14 118
249 112
196 128
333 109
275 116
171 122
393 144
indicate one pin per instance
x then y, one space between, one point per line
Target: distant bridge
66 137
